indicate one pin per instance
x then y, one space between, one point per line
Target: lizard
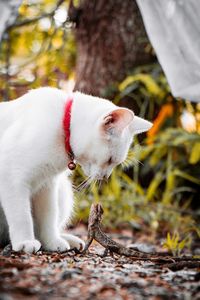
95 232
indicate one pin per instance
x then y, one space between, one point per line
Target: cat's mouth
96 173
101 178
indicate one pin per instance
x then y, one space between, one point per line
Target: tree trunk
8 14
111 41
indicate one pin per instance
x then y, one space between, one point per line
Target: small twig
36 19
183 264
31 21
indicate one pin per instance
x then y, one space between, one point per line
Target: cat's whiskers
92 184
88 182
100 182
131 162
83 184
138 161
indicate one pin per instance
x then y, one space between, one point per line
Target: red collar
66 127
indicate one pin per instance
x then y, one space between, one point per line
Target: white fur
36 198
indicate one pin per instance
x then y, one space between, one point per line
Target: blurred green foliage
158 191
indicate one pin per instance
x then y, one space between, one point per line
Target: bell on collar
72 165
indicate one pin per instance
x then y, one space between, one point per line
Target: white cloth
173 27
8 13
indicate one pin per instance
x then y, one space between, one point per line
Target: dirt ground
74 276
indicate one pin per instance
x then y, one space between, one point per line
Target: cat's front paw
57 244
27 246
74 241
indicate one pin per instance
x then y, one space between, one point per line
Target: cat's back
6 115
36 104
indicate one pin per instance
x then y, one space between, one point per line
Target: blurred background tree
101 48
111 41
38 49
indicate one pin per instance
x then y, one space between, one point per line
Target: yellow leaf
195 154
186 176
57 42
182 244
147 80
154 185
94 190
23 10
115 184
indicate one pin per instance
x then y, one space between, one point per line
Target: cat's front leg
17 209
65 202
45 204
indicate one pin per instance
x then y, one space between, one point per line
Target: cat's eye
110 161
108 120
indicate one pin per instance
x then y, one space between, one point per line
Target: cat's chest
47 171
44 176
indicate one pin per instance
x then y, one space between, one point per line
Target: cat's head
101 134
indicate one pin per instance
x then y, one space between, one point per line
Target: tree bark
8 14
111 41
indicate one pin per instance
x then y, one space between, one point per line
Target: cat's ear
139 125
117 120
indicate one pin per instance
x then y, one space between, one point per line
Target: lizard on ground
95 232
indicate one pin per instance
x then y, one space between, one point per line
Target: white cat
36 198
